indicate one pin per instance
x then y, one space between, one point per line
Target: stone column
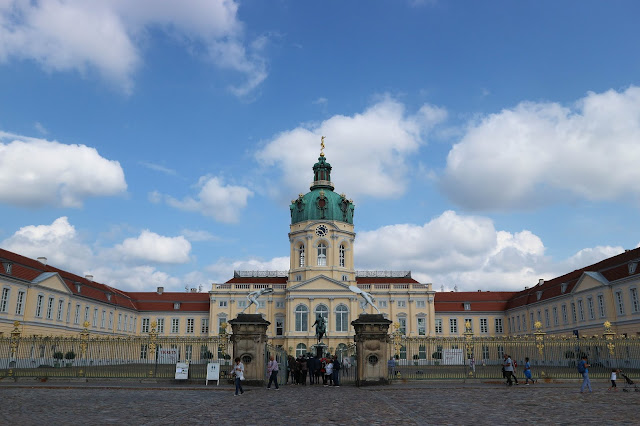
249 344
372 345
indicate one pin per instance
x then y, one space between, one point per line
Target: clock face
322 230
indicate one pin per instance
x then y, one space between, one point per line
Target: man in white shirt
508 369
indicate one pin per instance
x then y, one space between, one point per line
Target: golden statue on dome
322 146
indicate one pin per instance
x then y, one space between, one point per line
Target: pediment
51 280
590 281
319 283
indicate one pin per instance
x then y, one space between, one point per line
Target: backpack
581 367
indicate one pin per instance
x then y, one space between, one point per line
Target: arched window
301 255
342 255
324 312
302 318
342 318
301 349
322 254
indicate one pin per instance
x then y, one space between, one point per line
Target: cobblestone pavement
24 403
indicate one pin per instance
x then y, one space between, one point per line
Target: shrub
58 355
70 355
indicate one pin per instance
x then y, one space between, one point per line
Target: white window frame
190 327
279 304
580 310
224 303
620 302
322 254
175 325
279 325
4 300
453 325
565 315
20 302
635 302
497 323
102 320
50 301
301 256
160 325
39 302
402 322
382 304
421 304
402 304
60 309
95 317
204 326
421 324
484 325
438 326
301 315
592 311
119 322
601 308
556 320
145 325
341 255
342 318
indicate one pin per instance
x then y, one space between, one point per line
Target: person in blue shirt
527 372
584 367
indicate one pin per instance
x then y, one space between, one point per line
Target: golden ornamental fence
148 356
550 357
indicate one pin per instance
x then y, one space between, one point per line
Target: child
527 372
614 376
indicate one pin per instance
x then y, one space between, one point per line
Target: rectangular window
224 303
190 325
540 316
4 301
110 320
104 314
524 322
188 352
574 316
580 310
403 325
160 325
532 321
119 322
565 319
382 304
279 304
86 314
467 306
634 299
279 326
60 309
601 306
509 325
50 308
422 326
620 303
402 303
498 324
145 325
547 322
175 325
485 352
592 313
421 304
500 351
221 320
518 320
261 304
20 303
470 321
143 351
68 312
95 317
453 325
484 325
125 323
39 305
135 323
555 316
76 317
241 303
204 326
438 326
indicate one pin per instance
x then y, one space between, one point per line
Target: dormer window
109 297
298 277
563 287
632 267
538 294
176 305
7 267
467 306
78 287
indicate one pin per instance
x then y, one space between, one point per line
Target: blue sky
158 143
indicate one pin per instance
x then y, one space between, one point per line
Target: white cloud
223 269
37 172
151 247
590 256
40 128
158 168
215 199
537 153
107 36
199 235
368 151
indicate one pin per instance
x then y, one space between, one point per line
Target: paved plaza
96 403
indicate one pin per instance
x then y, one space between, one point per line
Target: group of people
325 369
509 371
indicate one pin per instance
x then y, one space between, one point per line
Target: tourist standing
336 372
583 368
328 373
291 365
238 374
311 365
272 369
508 369
304 367
391 366
614 377
527 371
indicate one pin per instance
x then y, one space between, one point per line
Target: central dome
321 203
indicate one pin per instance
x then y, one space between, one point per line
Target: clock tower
321 233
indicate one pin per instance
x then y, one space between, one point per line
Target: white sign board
213 372
182 371
167 356
452 357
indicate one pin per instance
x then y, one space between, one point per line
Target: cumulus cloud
215 199
149 246
37 172
538 153
123 266
107 36
368 151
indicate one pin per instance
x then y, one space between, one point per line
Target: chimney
160 290
43 260
89 277
540 281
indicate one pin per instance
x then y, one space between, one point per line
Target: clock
322 230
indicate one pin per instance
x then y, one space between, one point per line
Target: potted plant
70 356
57 356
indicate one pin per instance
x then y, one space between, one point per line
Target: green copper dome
322 203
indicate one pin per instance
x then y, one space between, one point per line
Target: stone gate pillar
249 344
372 345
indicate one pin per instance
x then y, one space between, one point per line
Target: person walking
508 369
238 374
272 369
583 368
527 372
614 377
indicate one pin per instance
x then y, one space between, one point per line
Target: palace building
50 301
